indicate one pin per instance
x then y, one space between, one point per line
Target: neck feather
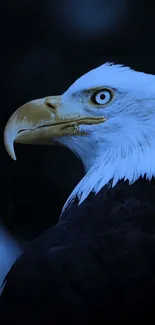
115 164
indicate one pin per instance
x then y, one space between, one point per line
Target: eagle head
106 117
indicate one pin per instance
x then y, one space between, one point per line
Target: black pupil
102 96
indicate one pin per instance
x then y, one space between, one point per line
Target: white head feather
123 147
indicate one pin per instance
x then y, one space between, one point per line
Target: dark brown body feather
96 266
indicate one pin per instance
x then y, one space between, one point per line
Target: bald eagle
97 265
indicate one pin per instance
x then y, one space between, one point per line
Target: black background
45 46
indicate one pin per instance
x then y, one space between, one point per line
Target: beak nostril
50 105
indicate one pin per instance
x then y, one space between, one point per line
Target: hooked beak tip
9 144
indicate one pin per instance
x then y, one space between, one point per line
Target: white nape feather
123 147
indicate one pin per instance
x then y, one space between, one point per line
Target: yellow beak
41 120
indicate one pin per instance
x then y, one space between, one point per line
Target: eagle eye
102 97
